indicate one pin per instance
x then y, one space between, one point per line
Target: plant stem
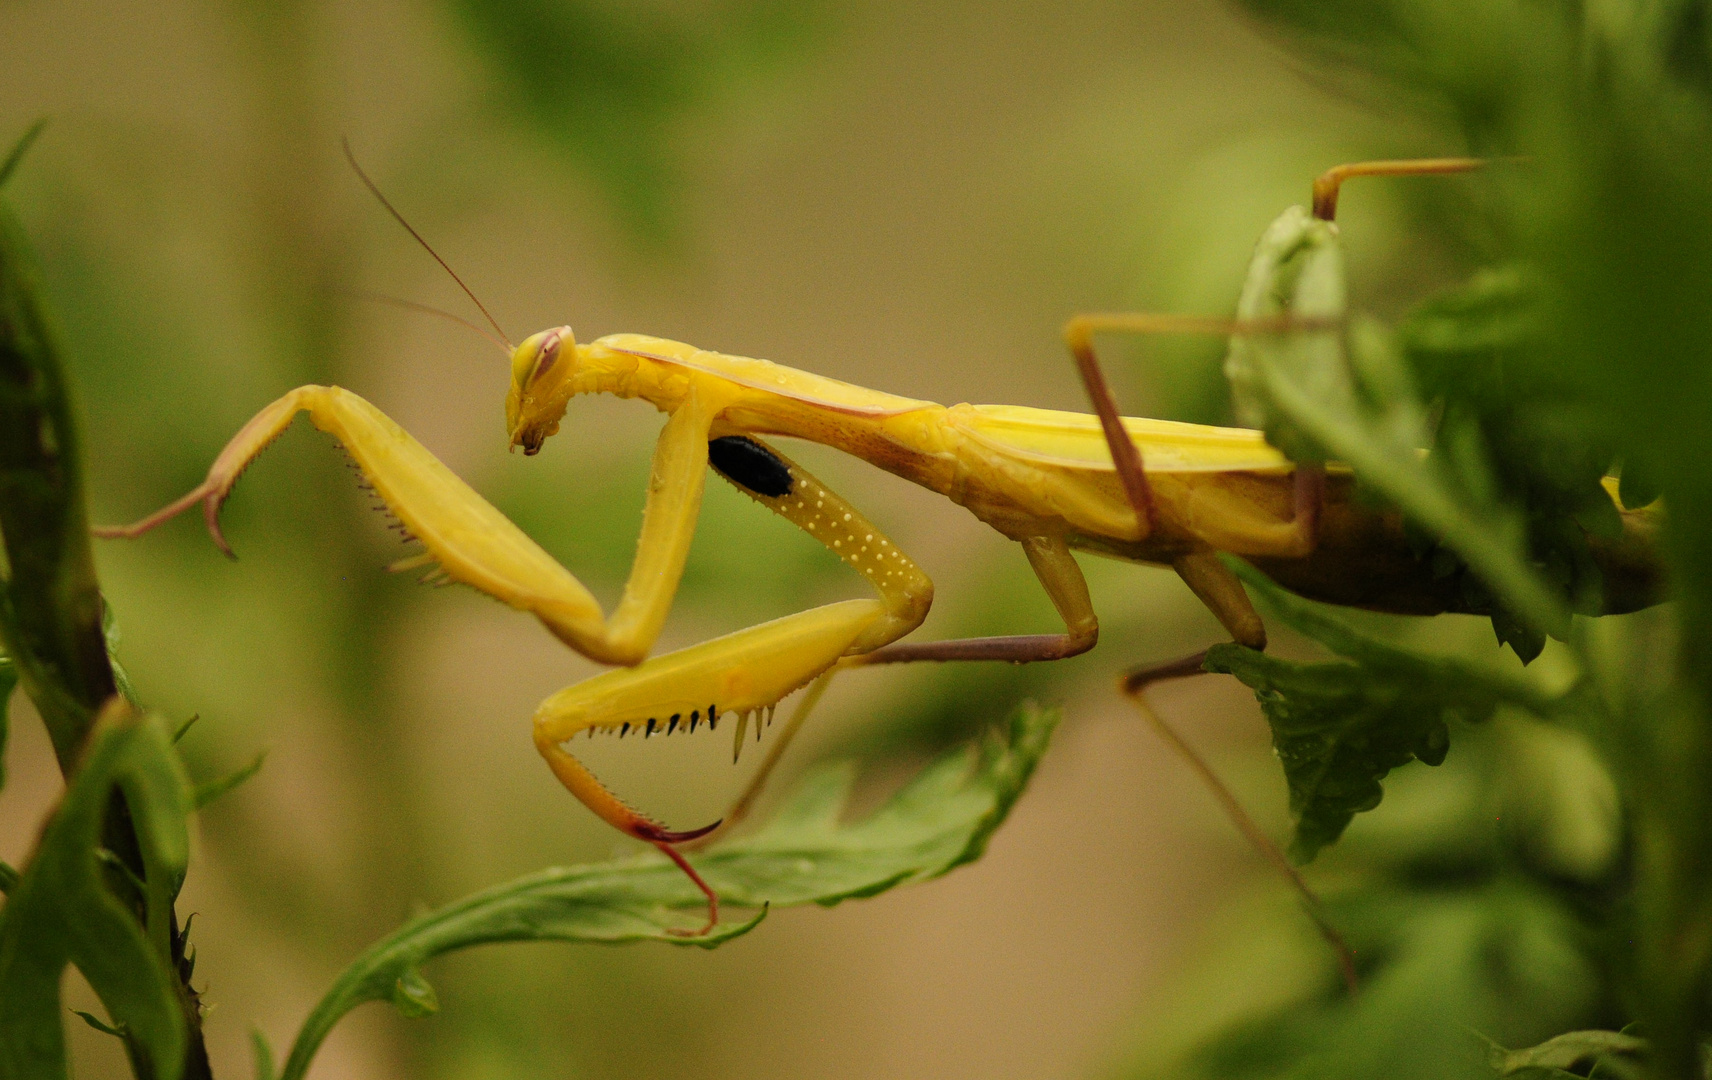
50 600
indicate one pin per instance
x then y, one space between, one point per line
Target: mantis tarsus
1149 491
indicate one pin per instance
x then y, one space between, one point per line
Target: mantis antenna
398 217
411 305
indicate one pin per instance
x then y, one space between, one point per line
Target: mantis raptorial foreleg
474 543
741 674
749 671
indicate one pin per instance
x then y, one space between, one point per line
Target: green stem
50 600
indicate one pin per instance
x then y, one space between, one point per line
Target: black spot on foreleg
749 465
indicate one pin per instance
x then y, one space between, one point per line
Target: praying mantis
1147 491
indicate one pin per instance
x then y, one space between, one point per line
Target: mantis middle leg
1059 575
1062 579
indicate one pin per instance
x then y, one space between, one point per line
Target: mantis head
541 386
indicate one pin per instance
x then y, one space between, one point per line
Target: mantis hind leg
1301 535
1211 582
1134 685
1328 183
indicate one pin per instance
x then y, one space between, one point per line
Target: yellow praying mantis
1146 491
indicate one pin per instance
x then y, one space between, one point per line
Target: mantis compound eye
548 354
537 356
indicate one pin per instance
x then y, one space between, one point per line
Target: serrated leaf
1340 728
939 821
1337 732
61 911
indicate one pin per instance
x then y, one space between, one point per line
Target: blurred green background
912 197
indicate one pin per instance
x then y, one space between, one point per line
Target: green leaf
99 1025
1297 271
1613 1051
8 877
1456 335
1525 640
210 790
262 1054
1514 431
1338 733
62 912
1300 388
1340 728
1635 487
1326 625
939 821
